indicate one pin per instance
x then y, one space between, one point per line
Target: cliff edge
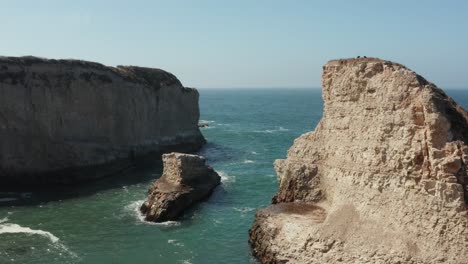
65 121
382 179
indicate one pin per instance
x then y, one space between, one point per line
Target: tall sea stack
65 121
382 179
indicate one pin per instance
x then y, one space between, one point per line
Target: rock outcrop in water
382 179
186 180
64 121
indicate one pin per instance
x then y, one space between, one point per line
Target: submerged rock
66 121
186 180
386 169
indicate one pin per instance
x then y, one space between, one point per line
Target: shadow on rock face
140 173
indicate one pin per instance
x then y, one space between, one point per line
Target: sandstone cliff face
186 180
60 115
385 169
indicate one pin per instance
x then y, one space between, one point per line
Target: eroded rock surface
186 180
386 165
64 121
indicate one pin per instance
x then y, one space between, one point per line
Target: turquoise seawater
99 223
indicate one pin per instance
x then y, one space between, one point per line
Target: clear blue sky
251 43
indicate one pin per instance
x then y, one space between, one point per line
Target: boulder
186 180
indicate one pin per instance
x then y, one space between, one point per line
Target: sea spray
134 209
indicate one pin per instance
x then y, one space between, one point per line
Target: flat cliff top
355 61
144 75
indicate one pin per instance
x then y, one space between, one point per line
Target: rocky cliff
63 121
382 179
186 180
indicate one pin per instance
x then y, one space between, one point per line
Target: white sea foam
206 121
248 161
175 242
253 152
243 209
225 178
269 131
134 208
8 228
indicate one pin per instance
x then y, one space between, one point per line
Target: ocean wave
244 209
11 228
269 131
206 121
248 161
175 242
225 178
134 208
253 152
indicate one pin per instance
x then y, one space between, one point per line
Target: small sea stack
186 180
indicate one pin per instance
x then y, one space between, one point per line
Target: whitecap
248 161
225 178
243 209
206 121
269 131
134 208
253 152
175 242
9 228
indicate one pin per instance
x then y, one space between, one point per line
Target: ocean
99 223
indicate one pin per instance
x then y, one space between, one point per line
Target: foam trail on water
249 161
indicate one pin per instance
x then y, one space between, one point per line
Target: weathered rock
386 165
63 121
186 180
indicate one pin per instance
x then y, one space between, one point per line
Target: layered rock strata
65 121
383 178
186 180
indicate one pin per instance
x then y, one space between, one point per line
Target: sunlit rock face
386 165
60 116
186 180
